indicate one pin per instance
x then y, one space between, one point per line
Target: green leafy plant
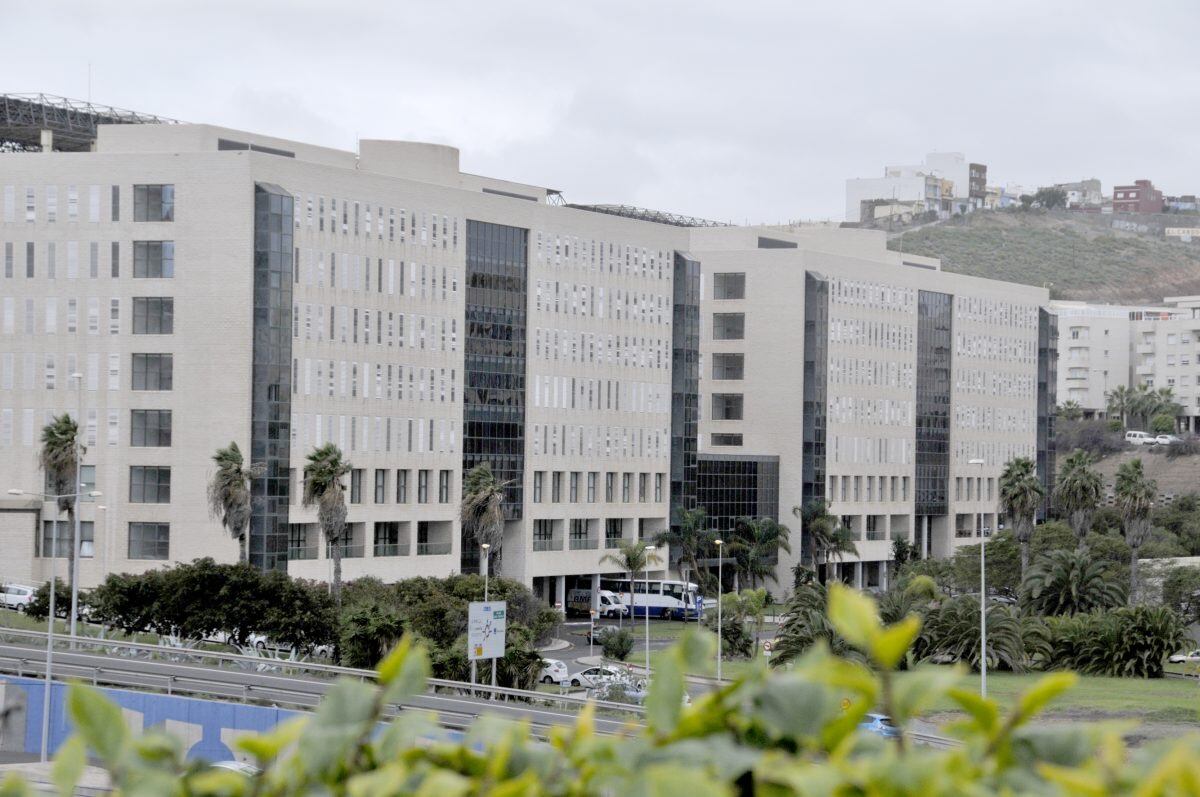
39 607
617 643
1068 582
1128 642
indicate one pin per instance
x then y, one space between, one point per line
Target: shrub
368 631
736 639
39 607
617 643
1181 591
952 632
1068 582
1163 423
1189 447
805 624
1130 642
1097 437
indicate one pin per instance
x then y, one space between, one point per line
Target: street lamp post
50 621
75 541
485 548
982 594
720 557
649 549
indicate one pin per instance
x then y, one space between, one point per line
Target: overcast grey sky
730 110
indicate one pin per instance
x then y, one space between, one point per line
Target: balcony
1145 370
612 543
1077 376
397 549
1145 348
547 545
584 544
433 548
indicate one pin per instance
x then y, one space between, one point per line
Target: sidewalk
553 645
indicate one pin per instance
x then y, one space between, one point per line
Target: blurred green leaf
913 692
265 746
854 615
1046 689
14 785
664 702
347 710
984 712
672 780
796 708
98 720
68 765
890 645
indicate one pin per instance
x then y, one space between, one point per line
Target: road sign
486 625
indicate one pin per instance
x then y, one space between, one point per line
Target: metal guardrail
282 682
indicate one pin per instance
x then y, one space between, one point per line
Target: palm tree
59 458
632 558
1121 403
1070 411
755 548
1020 496
323 487
1135 497
482 510
229 495
827 535
1068 582
1078 493
688 538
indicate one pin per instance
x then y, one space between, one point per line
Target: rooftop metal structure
645 214
73 123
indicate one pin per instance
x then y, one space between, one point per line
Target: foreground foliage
746 738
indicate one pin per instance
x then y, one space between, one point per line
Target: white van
579 602
1140 439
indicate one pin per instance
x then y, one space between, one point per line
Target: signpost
486 627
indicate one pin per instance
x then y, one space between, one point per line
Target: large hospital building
186 286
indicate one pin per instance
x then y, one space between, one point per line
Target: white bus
671 600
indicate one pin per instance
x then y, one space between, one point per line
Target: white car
16 596
555 672
1167 439
594 676
1140 439
1191 657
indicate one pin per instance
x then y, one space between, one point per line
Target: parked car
1167 439
1190 657
555 672
1140 439
16 596
880 725
595 676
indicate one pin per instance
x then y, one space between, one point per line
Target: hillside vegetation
1081 255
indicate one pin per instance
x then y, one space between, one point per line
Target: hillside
1081 255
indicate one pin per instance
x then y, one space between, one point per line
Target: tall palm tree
689 537
1020 496
323 487
1135 497
1070 410
229 495
828 536
1078 493
1121 403
59 458
482 510
756 545
632 557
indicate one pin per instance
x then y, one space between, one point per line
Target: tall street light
50 620
646 571
720 558
75 542
483 561
982 590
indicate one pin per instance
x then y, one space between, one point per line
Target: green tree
482 511
1162 423
755 548
827 538
59 457
368 631
688 538
323 488
1122 403
1051 198
1181 591
1020 496
617 643
1070 410
1078 492
229 495
633 558
1135 496
805 624
1068 582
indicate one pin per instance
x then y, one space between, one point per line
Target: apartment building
1094 352
178 287
1165 352
1141 197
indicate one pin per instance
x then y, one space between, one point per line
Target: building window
153 371
612 532
593 476
728 366
387 539
150 428
537 486
643 487
626 484
658 488
443 487
401 487
60 548
423 487
149 485
356 486
574 487
726 439
727 406
380 486
729 285
153 315
610 486
556 487
729 326
299 546
149 540
154 202
153 259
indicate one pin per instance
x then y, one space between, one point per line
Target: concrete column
560 591
595 591
858 575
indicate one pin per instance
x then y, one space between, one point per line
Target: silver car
16 596
595 676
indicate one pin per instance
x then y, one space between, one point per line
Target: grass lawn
1166 700
23 622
